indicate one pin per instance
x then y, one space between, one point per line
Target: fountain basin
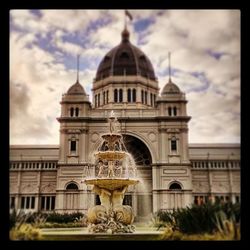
111 183
110 155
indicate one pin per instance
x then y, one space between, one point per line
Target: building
154 125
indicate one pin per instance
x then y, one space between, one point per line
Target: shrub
64 218
201 219
20 230
25 232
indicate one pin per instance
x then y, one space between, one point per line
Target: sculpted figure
105 196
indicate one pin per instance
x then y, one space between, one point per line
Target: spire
77 79
125 32
169 66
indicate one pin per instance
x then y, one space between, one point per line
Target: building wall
35 172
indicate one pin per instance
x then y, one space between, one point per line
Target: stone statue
117 196
101 167
104 195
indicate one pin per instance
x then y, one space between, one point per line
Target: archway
141 199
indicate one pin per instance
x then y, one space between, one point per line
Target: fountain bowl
110 155
111 183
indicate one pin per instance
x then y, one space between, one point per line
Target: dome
76 89
125 59
170 88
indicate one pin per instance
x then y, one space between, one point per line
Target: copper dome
125 59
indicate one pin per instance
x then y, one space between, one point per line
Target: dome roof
170 88
76 89
125 59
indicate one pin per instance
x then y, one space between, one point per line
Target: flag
129 15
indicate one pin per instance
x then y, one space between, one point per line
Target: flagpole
125 20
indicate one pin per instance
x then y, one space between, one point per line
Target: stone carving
48 188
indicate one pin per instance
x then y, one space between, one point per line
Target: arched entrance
141 195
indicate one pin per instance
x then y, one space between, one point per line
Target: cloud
205 46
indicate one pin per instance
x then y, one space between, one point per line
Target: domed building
154 125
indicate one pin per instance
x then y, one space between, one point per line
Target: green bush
201 219
64 218
25 232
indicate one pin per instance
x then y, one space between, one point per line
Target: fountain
116 172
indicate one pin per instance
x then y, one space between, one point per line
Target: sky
205 59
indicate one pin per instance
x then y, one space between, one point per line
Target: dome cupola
125 59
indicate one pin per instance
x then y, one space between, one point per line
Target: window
104 99
173 144
32 202
175 111
72 146
47 202
72 186
154 99
28 202
151 99
120 95
107 96
175 186
134 95
237 199
115 95
98 100
169 111
12 202
77 112
129 95
146 97
71 112
22 202
142 96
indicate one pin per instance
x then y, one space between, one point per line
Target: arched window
142 96
151 99
120 95
175 111
134 95
71 112
169 111
77 112
129 95
115 95
146 97
175 186
72 186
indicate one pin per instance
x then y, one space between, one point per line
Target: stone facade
154 125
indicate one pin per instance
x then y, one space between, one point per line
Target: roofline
191 145
34 146
214 145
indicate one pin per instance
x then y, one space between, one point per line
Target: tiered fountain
116 171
